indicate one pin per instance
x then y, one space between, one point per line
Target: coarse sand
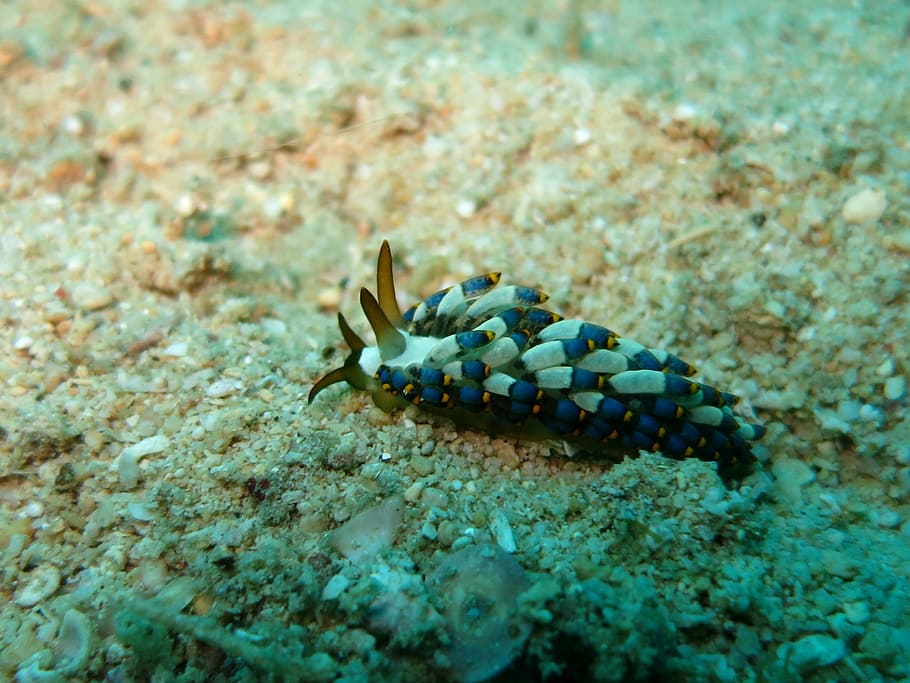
190 191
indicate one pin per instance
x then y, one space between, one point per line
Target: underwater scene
425 341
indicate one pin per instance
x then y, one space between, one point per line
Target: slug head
385 319
350 372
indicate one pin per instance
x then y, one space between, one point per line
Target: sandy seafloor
190 192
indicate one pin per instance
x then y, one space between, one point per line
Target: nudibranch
492 358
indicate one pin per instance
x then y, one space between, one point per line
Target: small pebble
857 612
91 297
502 531
274 327
413 492
685 112
72 125
866 206
128 462
176 350
888 519
791 475
895 387
582 136
329 299
886 369
222 388
185 205
780 128
23 343
335 587
141 512
465 208
260 169
34 509
871 413
422 465
849 409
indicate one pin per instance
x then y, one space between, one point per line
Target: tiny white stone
791 475
185 205
140 511
412 493
685 112
260 169
888 519
329 298
428 531
273 327
871 413
23 343
857 612
34 509
895 387
335 587
465 208
72 125
176 350
91 296
502 531
849 409
780 128
866 206
582 136
222 388
886 369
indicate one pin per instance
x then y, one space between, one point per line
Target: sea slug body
492 358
